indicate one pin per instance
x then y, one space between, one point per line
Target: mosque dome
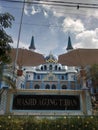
51 58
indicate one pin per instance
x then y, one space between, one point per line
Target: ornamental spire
32 46
69 46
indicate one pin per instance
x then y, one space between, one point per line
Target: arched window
47 86
59 68
50 67
53 86
64 86
41 67
56 67
37 86
45 67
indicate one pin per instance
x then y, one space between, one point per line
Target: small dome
51 59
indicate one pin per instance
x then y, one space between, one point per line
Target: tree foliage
5 22
94 75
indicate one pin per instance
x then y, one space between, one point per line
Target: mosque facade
47 89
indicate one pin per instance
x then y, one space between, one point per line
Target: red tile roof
76 57
79 57
27 57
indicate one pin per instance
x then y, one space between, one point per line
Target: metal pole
19 34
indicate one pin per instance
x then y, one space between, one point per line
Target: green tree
5 40
94 75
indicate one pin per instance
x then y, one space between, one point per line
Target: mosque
48 88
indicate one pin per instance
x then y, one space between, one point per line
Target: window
53 86
59 68
24 69
36 86
64 86
66 76
50 67
47 86
38 76
45 67
41 67
56 67
63 77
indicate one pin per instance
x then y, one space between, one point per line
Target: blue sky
51 25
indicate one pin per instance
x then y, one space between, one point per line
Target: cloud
31 9
70 24
72 11
35 10
26 11
21 44
81 23
45 13
87 39
61 11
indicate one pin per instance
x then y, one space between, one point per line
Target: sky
51 25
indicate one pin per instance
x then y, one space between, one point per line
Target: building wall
47 79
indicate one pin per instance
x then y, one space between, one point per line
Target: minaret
32 46
69 46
